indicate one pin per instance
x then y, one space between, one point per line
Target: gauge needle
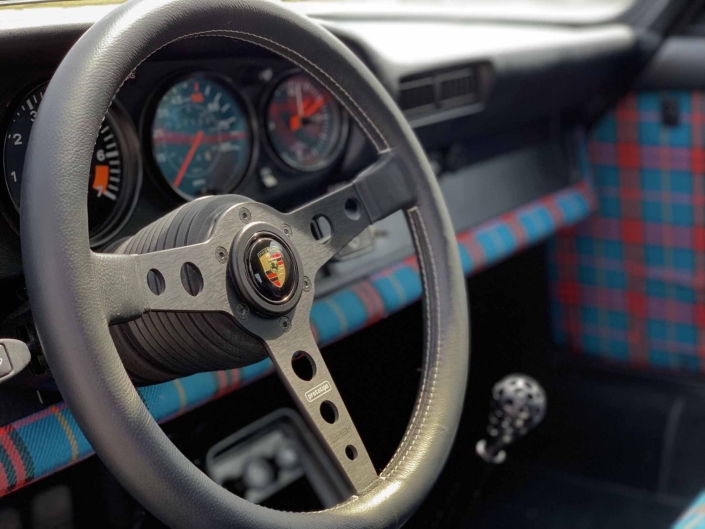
299 103
295 120
189 157
308 111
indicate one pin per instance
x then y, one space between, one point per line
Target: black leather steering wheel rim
65 286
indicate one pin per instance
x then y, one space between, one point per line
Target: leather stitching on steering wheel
403 451
256 40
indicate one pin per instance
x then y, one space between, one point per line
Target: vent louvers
426 93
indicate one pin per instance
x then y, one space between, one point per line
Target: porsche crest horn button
271 268
273 264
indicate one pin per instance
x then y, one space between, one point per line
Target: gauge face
201 137
111 189
305 124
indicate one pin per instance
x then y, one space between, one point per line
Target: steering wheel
76 294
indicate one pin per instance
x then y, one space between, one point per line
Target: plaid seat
628 285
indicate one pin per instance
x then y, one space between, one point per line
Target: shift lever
518 405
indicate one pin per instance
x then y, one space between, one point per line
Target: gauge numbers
111 189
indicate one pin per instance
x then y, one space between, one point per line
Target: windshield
504 3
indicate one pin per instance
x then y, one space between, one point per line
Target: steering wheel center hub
271 268
266 270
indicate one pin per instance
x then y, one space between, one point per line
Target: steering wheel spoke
186 279
335 219
293 349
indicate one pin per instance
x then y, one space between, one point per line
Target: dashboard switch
14 357
268 179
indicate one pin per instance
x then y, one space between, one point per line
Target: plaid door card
628 284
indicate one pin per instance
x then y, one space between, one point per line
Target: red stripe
372 305
553 210
15 457
4 484
234 379
474 249
374 296
25 421
517 230
222 383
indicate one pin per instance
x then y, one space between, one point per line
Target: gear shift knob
518 405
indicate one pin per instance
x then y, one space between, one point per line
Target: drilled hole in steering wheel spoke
303 365
329 412
352 209
351 452
191 279
321 229
155 282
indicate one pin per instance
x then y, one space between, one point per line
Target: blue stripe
352 307
390 296
255 370
326 321
199 388
410 280
465 259
163 400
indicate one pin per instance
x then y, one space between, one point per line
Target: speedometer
305 124
115 170
201 136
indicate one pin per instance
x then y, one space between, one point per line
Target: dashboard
463 88
185 126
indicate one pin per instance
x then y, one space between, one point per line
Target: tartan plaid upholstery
628 284
47 441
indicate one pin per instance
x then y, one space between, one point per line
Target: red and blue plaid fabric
628 284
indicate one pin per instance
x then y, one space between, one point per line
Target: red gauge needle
308 111
189 157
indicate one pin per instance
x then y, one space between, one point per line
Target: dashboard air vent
431 92
457 88
417 94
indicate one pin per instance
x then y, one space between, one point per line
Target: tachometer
201 136
305 124
115 171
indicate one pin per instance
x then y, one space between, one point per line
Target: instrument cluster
191 132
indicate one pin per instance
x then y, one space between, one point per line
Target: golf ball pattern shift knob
518 405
